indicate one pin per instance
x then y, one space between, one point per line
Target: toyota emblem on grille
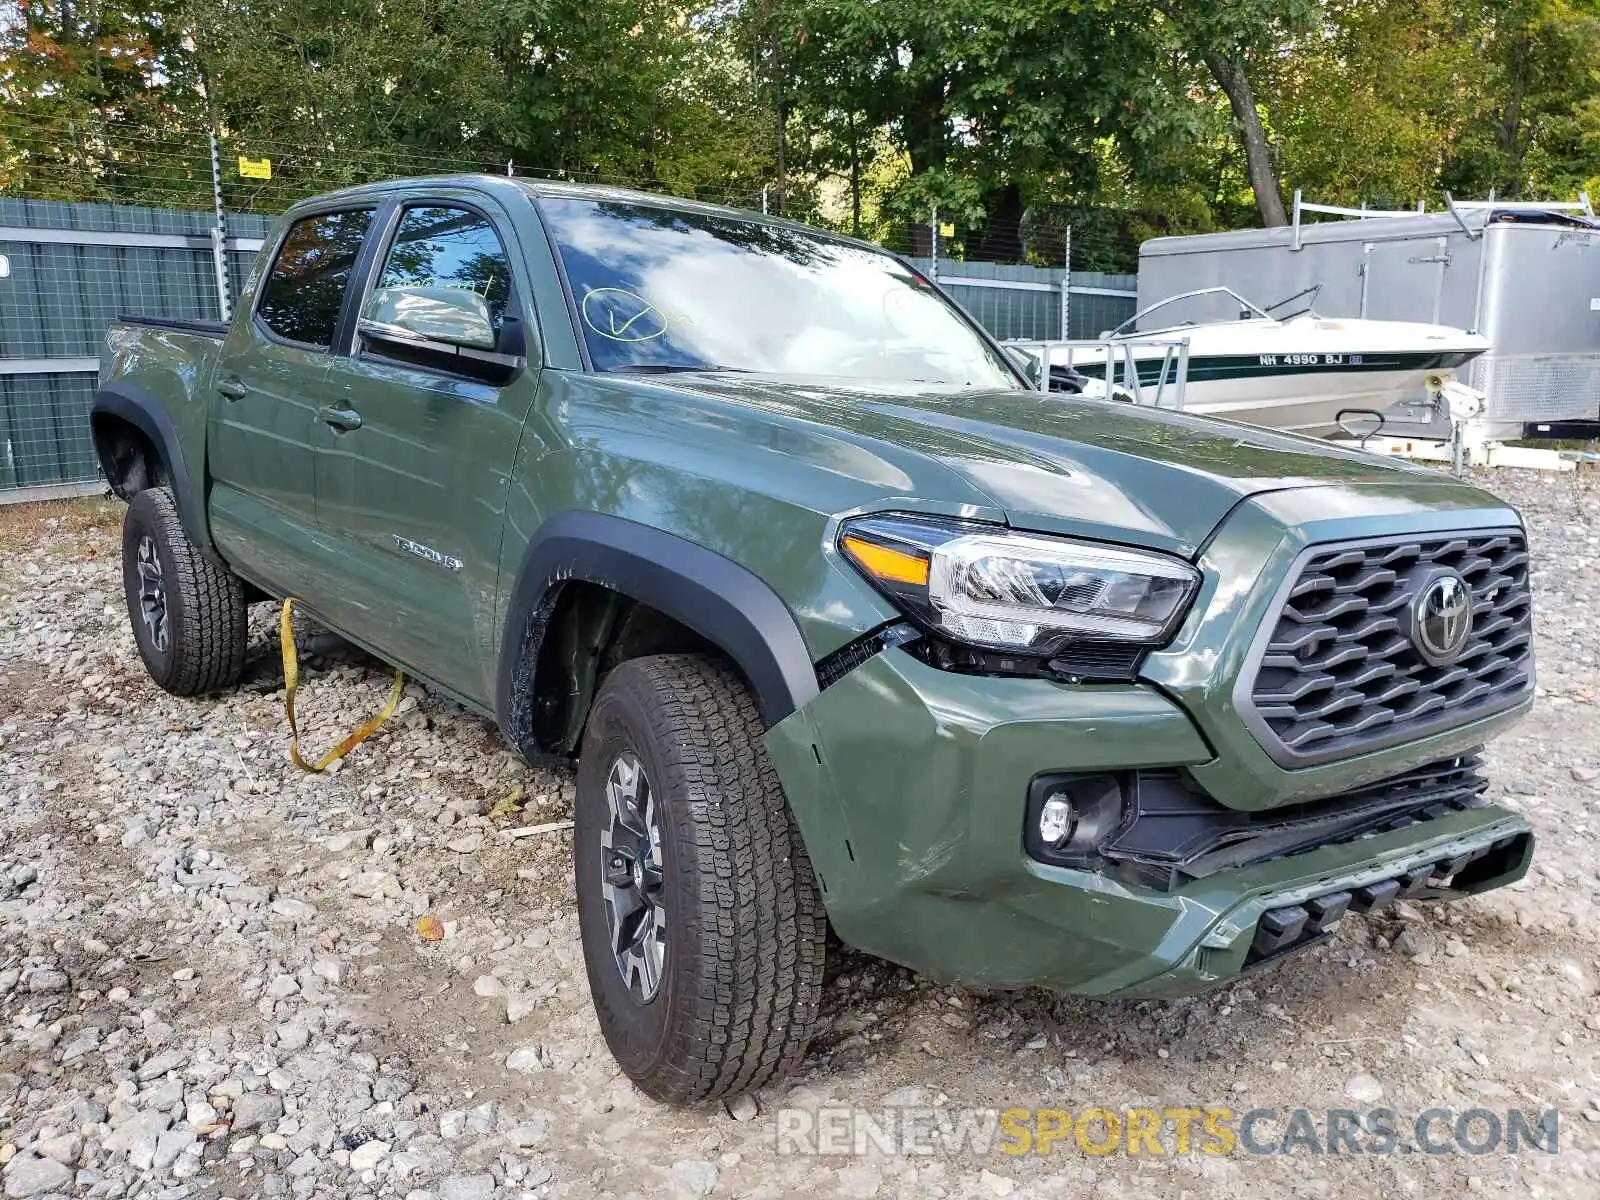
1442 619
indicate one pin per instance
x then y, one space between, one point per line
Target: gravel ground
212 980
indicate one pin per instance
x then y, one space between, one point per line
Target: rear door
270 382
412 477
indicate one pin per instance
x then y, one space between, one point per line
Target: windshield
662 289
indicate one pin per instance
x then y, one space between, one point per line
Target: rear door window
304 291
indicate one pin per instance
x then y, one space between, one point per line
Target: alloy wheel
153 595
630 844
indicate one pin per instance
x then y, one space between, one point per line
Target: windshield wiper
669 368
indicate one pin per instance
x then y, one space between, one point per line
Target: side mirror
447 315
1028 363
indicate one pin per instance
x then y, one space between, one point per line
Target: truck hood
1059 463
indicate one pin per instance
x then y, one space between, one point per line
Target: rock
255 1110
471 844
532 1132
158 1065
84 1042
1574 977
694 1175
282 987
467 1187
1415 944
528 1058
1586 774
488 987
169 1146
44 980
294 910
378 885
293 1036
138 1134
1364 1089
742 1107
519 1004
30 1175
354 839
64 1149
329 969
368 1155
860 1182
996 1185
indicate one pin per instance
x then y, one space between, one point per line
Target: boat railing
1149 371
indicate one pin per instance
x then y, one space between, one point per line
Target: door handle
340 418
232 389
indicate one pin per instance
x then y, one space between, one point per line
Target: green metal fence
69 270
73 268
1026 302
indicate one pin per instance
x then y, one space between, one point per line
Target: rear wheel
188 613
702 928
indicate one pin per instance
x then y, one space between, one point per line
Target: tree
1230 37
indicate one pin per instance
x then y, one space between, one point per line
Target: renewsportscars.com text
911 1130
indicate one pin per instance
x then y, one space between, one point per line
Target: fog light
1056 820
1069 816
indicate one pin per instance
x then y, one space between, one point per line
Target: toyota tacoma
846 623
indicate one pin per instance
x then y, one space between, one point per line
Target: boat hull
1308 398
1299 392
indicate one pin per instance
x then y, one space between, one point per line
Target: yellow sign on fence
255 168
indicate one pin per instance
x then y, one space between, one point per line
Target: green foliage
1010 118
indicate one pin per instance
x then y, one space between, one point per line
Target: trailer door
1404 280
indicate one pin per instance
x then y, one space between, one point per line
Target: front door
412 481
269 383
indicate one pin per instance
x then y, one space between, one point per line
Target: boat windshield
661 289
1309 295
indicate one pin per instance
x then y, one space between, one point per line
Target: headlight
995 588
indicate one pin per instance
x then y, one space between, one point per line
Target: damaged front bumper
912 788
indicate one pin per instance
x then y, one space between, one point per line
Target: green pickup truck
846 623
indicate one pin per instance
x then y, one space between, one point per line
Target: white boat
1304 373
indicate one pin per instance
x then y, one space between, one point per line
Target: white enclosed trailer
1525 276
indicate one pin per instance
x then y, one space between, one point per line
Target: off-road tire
742 973
205 603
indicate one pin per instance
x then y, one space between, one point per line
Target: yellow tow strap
291 682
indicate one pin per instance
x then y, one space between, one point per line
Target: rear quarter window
304 290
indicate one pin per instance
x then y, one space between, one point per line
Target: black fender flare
714 596
131 403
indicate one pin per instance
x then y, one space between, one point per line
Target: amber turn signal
892 566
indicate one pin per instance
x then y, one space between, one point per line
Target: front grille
1340 674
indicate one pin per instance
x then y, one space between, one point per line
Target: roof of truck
540 188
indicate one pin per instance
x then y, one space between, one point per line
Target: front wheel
187 612
702 929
